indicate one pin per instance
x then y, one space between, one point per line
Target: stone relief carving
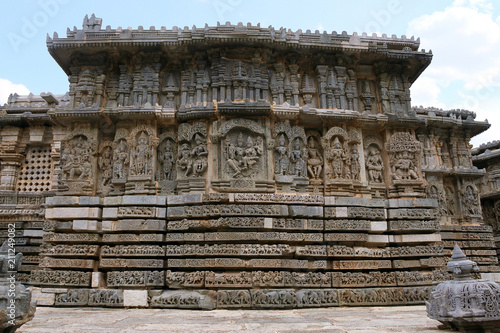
105 163
435 191
142 142
242 155
374 163
86 87
193 153
170 88
341 154
166 171
290 156
77 161
335 145
470 201
405 159
314 157
244 148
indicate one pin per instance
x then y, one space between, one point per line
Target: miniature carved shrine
237 166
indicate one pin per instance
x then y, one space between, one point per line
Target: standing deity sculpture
106 165
470 201
142 156
166 158
120 161
282 159
354 163
298 157
314 160
337 158
374 165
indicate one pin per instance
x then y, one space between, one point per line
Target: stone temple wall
487 156
238 167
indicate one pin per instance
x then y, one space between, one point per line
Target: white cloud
428 90
7 88
465 71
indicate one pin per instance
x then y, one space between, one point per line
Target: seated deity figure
199 155
252 153
241 158
184 162
404 169
314 160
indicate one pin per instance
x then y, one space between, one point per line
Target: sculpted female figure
314 160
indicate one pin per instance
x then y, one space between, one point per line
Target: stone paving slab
331 320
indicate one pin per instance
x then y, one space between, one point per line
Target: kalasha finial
460 266
465 304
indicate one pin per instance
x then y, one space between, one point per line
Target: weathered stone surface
317 298
135 298
128 263
132 238
60 278
274 298
135 278
73 297
205 300
67 263
220 171
106 297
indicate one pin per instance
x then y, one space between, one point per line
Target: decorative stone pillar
11 155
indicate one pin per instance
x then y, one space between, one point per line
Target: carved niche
314 158
395 94
405 160
244 151
290 157
166 158
105 164
342 162
374 163
86 87
142 142
192 157
77 161
469 202
435 191
121 159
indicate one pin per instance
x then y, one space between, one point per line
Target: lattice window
35 173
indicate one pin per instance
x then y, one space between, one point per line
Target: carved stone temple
237 166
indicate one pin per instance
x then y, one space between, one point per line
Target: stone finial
465 304
460 266
91 24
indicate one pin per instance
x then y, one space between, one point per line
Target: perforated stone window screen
35 173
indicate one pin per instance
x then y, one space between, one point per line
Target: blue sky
464 36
